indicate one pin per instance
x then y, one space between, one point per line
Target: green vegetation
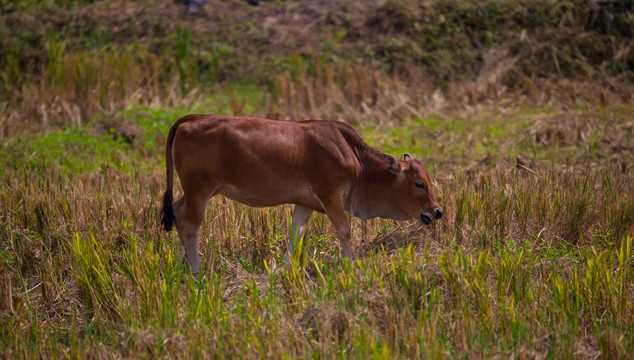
521 112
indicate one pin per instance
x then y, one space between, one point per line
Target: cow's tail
167 212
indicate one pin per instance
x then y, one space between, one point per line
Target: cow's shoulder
328 125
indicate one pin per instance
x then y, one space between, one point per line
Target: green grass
137 301
71 149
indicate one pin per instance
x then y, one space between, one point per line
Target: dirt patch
149 341
393 18
588 348
120 129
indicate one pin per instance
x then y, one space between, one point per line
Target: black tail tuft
168 214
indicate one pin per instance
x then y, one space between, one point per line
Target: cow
316 165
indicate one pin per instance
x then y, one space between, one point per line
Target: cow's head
414 189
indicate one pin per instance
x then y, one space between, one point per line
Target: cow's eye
421 185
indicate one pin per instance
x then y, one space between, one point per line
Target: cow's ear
392 163
407 157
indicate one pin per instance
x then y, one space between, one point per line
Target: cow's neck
371 195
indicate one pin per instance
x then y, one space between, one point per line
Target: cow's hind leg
188 223
179 207
299 224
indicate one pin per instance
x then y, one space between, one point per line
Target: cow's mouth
425 219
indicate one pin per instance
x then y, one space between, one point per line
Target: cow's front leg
337 216
299 224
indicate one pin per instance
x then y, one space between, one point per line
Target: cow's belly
264 197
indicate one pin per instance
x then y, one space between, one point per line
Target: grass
534 170
526 263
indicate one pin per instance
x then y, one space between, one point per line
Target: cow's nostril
439 213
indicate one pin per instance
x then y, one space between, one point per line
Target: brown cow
316 165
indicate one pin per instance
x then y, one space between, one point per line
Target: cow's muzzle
426 217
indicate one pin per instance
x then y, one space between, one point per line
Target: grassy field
533 157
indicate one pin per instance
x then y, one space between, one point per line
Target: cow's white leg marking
299 224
